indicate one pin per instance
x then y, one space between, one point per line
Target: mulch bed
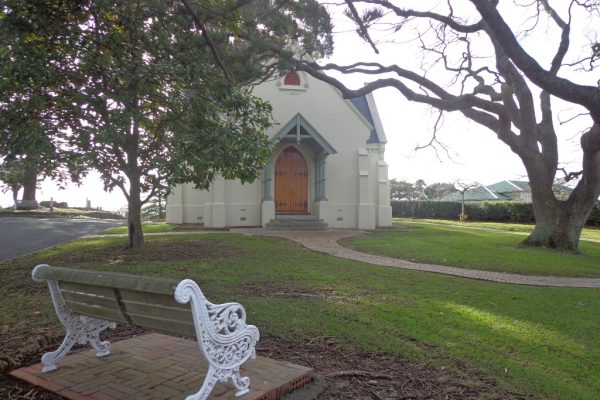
357 374
351 374
153 251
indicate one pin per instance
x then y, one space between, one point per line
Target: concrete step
296 218
297 222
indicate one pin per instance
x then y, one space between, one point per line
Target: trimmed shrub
426 209
521 212
497 211
594 216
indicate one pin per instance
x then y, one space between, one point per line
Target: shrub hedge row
504 211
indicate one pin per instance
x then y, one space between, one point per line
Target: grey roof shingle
361 104
479 193
510 186
503 190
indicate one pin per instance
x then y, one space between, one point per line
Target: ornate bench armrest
223 336
227 317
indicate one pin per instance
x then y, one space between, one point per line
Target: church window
292 79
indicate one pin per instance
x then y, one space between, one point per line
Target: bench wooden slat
90 299
107 279
108 314
152 298
88 289
164 325
155 311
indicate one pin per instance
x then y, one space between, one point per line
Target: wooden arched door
291 182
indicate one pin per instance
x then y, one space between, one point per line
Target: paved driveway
22 235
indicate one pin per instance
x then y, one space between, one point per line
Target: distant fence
500 211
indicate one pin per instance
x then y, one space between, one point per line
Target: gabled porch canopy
298 130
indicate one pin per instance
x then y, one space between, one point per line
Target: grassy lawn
481 248
588 233
542 342
148 227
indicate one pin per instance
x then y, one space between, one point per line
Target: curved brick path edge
328 242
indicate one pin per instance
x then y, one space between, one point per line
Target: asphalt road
23 235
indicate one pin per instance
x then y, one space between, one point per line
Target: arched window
292 79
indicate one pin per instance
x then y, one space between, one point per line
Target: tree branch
565 27
361 26
587 96
209 41
522 116
434 142
444 100
446 20
489 115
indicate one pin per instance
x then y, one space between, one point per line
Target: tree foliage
150 94
37 58
157 109
402 190
477 59
438 190
12 175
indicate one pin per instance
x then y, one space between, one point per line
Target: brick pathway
155 367
327 242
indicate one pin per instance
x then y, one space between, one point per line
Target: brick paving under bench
156 366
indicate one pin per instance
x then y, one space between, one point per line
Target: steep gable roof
510 186
298 129
361 103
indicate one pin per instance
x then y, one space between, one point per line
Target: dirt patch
153 251
357 374
351 374
276 290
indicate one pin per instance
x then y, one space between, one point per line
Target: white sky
475 153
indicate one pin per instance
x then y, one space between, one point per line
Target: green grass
588 233
149 227
481 249
539 341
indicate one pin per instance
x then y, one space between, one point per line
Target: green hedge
595 216
503 211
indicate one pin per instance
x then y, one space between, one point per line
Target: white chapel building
327 163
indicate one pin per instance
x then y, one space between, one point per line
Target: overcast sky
474 153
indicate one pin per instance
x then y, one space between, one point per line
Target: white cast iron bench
88 302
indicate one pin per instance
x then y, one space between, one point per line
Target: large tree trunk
30 184
134 217
15 195
558 226
29 188
559 223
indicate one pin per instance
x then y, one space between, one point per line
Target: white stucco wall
356 165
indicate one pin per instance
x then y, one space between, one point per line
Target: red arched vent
292 79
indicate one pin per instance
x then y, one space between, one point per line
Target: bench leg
80 330
242 384
207 387
51 358
84 331
214 375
